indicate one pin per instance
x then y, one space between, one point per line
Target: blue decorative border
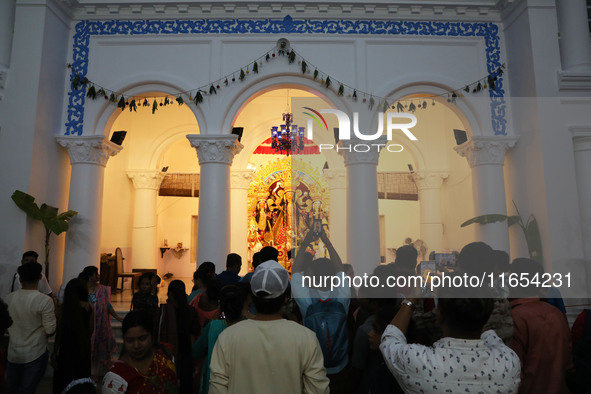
86 29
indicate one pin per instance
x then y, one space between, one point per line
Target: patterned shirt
452 365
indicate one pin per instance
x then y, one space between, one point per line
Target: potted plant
54 222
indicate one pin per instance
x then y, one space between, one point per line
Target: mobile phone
317 227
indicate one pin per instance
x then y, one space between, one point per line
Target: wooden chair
121 274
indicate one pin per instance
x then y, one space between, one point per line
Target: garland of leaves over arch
82 87
95 91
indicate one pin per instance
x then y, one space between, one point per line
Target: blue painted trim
87 28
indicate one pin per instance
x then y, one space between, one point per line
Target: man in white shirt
268 354
33 322
31 257
465 360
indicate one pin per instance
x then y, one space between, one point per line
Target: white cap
271 278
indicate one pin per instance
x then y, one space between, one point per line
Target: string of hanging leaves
95 91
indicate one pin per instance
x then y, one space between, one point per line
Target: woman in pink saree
102 343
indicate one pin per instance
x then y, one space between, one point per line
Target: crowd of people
271 331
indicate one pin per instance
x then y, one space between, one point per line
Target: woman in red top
143 368
206 303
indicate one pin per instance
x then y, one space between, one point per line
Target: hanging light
287 137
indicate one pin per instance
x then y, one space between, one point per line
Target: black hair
74 332
184 363
5 319
269 306
30 272
257 259
233 260
31 253
87 272
406 257
476 258
147 275
177 290
465 314
213 288
231 303
322 267
269 253
138 318
501 260
207 266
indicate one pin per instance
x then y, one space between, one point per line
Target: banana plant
54 222
529 227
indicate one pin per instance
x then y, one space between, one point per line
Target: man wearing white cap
268 354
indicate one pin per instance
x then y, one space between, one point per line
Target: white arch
107 113
438 86
169 136
279 81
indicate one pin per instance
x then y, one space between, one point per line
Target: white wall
30 116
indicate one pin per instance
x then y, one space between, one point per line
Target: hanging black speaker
118 137
238 131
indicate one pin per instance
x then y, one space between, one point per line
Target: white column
337 185
582 147
88 157
240 181
363 227
429 187
486 156
144 246
215 154
6 29
575 45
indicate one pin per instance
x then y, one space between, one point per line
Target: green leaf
534 240
91 92
132 106
304 66
512 220
154 106
242 75
76 82
255 68
198 98
121 104
328 82
315 74
212 90
372 101
26 202
484 219
354 95
341 90
180 100
291 57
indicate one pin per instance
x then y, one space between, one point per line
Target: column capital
486 150
89 149
146 179
336 179
215 148
356 151
240 179
429 179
